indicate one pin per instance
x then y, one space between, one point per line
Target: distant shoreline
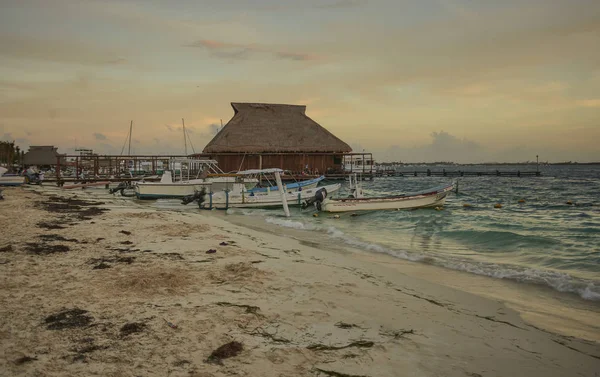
485 163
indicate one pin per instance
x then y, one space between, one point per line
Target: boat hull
12 180
156 190
422 200
263 200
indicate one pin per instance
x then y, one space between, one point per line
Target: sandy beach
92 288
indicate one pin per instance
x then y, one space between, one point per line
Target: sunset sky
461 80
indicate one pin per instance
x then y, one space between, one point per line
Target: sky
428 80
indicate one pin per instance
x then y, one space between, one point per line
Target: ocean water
543 241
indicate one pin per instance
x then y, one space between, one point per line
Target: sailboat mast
130 129
184 137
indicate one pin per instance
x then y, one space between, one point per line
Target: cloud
99 136
443 147
238 51
295 56
116 61
340 4
214 128
170 128
106 148
23 141
57 51
589 103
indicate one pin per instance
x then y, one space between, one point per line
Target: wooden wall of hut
317 163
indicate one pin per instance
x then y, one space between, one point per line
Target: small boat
166 188
433 197
301 185
238 196
186 184
10 180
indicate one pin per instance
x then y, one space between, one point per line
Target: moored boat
263 173
241 198
302 185
433 197
166 188
237 195
10 180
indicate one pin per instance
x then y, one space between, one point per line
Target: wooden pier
98 168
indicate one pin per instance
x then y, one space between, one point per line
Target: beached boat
166 188
239 196
244 199
10 180
253 174
301 185
433 197
209 177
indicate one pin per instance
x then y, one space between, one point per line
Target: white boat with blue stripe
10 180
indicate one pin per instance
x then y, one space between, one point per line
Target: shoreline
571 315
297 309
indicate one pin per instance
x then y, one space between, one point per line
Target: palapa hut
43 155
262 135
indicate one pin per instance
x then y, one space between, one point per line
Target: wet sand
118 290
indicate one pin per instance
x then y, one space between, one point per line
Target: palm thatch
42 155
262 127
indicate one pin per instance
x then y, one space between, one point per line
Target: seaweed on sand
225 351
132 328
44 249
69 318
324 347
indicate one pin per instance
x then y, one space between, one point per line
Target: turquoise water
543 241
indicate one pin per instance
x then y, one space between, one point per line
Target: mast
184 137
130 129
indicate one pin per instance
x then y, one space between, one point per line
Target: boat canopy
260 171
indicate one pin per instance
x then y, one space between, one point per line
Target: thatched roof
262 127
42 155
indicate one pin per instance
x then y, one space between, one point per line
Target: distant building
43 155
261 136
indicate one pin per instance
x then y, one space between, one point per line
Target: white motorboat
244 199
208 176
166 188
10 180
239 196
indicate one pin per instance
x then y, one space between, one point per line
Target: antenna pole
184 137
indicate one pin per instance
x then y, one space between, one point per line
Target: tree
8 153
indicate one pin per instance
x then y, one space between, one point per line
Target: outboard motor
121 186
319 197
196 196
32 177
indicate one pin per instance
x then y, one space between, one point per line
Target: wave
491 239
562 282
287 223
